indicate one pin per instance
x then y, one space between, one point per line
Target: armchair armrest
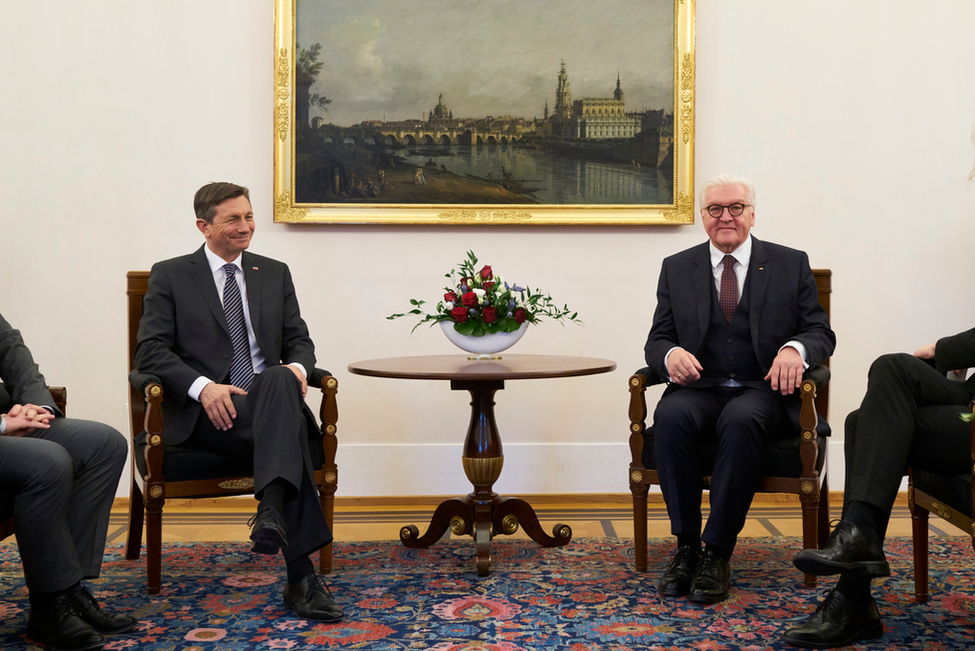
318 375
638 383
140 380
819 374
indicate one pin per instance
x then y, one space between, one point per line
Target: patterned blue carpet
582 597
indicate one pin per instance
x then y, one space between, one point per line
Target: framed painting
488 112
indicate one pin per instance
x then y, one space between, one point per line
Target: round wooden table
482 514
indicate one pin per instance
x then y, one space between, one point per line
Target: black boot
102 621
57 624
848 549
838 621
676 580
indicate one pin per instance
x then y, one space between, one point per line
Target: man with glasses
737 321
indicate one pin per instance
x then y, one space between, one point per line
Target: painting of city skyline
501 111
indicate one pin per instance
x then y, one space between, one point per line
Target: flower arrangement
480 303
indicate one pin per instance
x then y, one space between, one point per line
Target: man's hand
218 404
785 376
22 419
301 378
683 367
925 352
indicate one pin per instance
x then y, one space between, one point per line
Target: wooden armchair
160 471
60 397
950 497
793 462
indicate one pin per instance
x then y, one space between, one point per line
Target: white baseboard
529 468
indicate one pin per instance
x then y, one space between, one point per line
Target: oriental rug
585 596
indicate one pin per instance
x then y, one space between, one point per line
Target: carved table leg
513 512
483 459
454 513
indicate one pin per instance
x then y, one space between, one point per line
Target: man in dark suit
222 330
737 321
57 479
909 416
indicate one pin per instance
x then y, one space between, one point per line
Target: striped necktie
241 370
729 288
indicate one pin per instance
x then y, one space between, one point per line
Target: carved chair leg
325 553
810 531
133 544
640 526
154 509
919 530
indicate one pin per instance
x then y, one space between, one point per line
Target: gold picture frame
316 158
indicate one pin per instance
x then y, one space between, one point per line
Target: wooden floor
590 516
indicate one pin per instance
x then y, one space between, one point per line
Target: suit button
730 340
731 356
734 374
227 356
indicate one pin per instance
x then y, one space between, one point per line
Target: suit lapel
253 278
758 276
701 281
203 277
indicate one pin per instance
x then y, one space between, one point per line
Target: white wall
852 118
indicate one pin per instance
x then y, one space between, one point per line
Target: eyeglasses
734 209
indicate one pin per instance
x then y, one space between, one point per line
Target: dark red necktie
729 288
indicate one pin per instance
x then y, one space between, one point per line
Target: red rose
469 299
488 284
520 315
450 297
486 273
489 315
459 314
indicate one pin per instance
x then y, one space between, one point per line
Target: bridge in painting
414 135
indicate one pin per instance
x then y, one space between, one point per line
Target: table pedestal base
483 514
483 518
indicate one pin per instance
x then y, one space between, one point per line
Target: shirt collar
216 262
742 254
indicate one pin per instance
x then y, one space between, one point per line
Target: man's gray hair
727 179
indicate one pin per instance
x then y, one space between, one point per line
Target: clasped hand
22 419
784 376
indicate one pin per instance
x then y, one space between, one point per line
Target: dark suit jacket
783 305
22 380
184 334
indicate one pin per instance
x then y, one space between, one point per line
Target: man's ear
204 226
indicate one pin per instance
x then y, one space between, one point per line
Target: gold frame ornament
359 209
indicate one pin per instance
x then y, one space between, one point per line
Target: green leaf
465 328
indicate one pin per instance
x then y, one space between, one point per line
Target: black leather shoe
848 548
711 582
676 581
838 621
311 599
61 627
103 622
267 531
